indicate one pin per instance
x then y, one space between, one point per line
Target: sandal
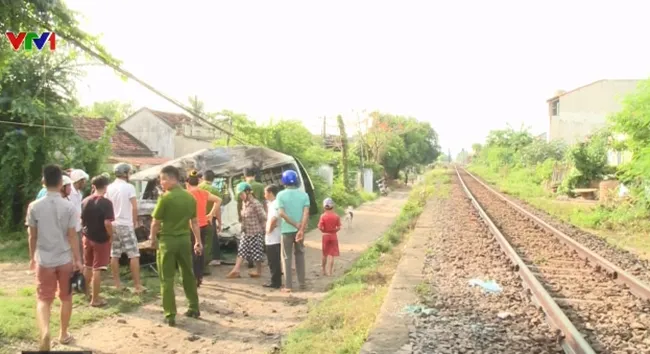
253 275
142 291
233 275
67 340
101 303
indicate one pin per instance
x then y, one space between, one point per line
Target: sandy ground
238 316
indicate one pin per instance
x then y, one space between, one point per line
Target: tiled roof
564 93
173 119
122 143
139 161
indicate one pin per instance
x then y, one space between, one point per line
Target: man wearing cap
66 189
79 178
125 209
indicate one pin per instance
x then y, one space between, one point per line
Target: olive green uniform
207 248
175 209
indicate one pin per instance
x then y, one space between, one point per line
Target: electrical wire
77 130
126 73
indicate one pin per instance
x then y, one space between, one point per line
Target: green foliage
37 90
344 163
507 150
287 136
539 151
633 124
44 15
37 99
589 160
509 166
399 143
114 110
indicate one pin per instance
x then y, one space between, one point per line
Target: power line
62 127
143 83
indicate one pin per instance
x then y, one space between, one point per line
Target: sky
467 67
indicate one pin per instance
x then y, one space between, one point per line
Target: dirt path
390 334
238 316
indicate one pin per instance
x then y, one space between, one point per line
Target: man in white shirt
273 237
79 178
122 194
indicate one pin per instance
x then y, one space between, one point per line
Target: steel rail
619 275
571 339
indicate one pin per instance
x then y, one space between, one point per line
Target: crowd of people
71 235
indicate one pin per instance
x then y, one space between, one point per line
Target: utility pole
195 105
449 154
231 132
361 139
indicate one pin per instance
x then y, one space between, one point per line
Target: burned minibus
228 164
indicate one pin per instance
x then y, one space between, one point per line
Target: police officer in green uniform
174 213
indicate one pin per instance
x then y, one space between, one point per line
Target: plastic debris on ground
489 286
504 315
419 310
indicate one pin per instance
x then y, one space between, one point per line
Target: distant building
124 146
170 135
576 114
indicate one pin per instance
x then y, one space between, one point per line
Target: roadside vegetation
38 100
341 322
17 309
523 166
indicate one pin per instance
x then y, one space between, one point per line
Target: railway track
595 306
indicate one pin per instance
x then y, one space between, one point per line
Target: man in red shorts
54 253
96 218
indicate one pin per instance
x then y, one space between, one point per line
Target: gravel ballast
610 318
459 318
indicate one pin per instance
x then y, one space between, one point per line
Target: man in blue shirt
43 190
293 207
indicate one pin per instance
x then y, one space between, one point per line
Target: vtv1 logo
31 39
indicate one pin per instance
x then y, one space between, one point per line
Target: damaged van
228 164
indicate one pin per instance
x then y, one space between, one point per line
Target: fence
560 170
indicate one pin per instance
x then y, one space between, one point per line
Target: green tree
198 106
46 15
287 136
589 160
37 99
476 148
114 110
400 143
345 176
632 123
538 151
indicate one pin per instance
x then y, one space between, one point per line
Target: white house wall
184 145
586 109
574 127
153 132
